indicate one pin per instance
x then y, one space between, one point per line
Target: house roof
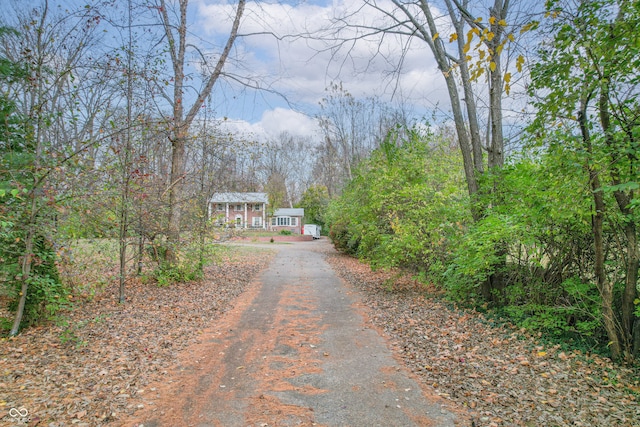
240 198
289 212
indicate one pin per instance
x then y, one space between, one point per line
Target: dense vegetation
555 245
544 219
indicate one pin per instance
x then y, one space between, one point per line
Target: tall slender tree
588 78
176 33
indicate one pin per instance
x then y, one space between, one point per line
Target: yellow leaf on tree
479 19
453 37
466 47
507 88
526 27
435 36
511 37
507 77
492 20
519 63
481 53
492 66
490 35
502 22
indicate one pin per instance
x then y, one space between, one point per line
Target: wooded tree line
548 235
109 130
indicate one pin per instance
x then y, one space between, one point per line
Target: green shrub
46 294
167 274
405 205
343 240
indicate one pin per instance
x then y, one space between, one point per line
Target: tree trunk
126 180
179 130
469 97
623 201
496 146
630 290
27 262
177 176
605 287
34 195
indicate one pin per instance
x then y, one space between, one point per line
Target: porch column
264 216
246 222
226 213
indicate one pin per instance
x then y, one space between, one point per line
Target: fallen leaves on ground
95 371
91 372
502 375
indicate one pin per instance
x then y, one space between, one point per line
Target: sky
287 49
286 57
295 70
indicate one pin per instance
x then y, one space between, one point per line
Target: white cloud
275 122
277 56
280 120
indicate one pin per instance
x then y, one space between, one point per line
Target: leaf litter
502 375
96 371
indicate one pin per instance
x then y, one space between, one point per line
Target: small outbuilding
289 219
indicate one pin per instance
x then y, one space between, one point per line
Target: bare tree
286 166
175 30
41 98
466 45
351 129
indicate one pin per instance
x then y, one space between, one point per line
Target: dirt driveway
294 350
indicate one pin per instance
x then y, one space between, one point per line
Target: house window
257 207
284 221
257 221
238 207
294 222
238 221
219 207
